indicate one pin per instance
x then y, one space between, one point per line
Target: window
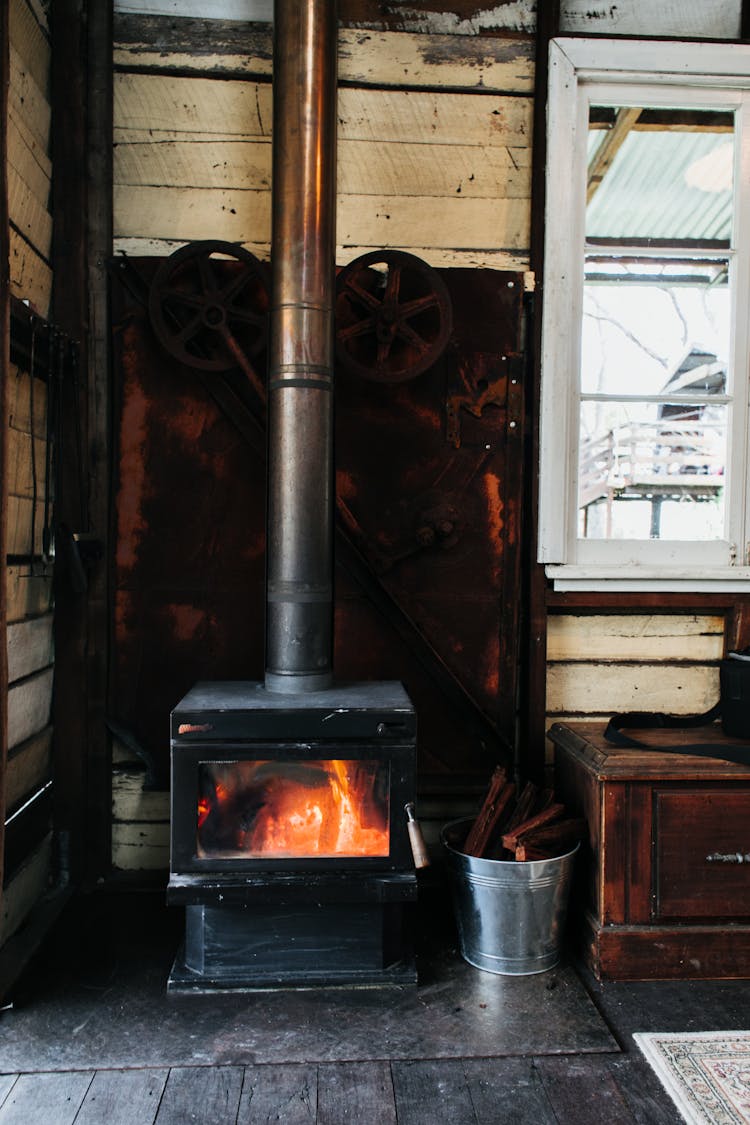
645 351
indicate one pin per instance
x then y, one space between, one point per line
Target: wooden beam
82 131
602 159
533 656
4 378
99 249
69 312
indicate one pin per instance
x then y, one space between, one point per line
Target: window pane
651 471
662 174
656 337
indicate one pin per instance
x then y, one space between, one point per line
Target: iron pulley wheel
393 316
208 305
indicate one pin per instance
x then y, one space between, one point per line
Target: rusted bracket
479 393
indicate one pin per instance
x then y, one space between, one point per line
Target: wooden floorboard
544 1090
6 1085
123 1097
279 1093
357 1092
565 1079
508 1092
205 1094
45 1099
643 1091
432 1091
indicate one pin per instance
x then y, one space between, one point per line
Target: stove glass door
290 809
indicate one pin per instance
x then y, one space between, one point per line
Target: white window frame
579 68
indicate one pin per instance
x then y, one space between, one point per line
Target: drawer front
702 845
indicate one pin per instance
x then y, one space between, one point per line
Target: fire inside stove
324 808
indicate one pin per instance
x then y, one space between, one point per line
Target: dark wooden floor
590 1088
562 1090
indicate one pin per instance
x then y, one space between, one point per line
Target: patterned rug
707 1074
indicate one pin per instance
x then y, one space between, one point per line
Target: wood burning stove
290 845
290 834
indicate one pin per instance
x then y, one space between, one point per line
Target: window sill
613 579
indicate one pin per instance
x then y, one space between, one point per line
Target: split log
499 796
526 802
513 836
552 839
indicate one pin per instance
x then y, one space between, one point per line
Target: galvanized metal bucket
510 915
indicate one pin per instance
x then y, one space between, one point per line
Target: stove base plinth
184 981
259 947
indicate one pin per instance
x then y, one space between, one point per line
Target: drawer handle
728 857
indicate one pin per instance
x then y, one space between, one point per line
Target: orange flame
298 809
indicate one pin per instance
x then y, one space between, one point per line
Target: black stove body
290 849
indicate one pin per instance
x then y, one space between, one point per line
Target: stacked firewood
526 825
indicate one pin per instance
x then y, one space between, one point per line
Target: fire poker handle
416 839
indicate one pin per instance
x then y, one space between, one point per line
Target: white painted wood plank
29 214
245 216
30 42
30 275
643 637
229 108
364 168
27 101
382 58
192 105
514 15
200 9
583 689
130 802
435 256
29 593
409 222
140 847
29 704
688 19
30 646
26 158
28 768
20 896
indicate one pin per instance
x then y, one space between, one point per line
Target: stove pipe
299 579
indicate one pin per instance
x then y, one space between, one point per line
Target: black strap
644 720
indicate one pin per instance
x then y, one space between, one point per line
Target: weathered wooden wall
29 636
29 165
435 148
600 664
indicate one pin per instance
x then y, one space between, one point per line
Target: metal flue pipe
299 575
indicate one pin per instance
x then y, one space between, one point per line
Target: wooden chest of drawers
663 885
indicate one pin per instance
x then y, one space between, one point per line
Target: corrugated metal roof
664 185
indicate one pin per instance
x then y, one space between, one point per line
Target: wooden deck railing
684 457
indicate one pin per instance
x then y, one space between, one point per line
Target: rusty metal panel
427 545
